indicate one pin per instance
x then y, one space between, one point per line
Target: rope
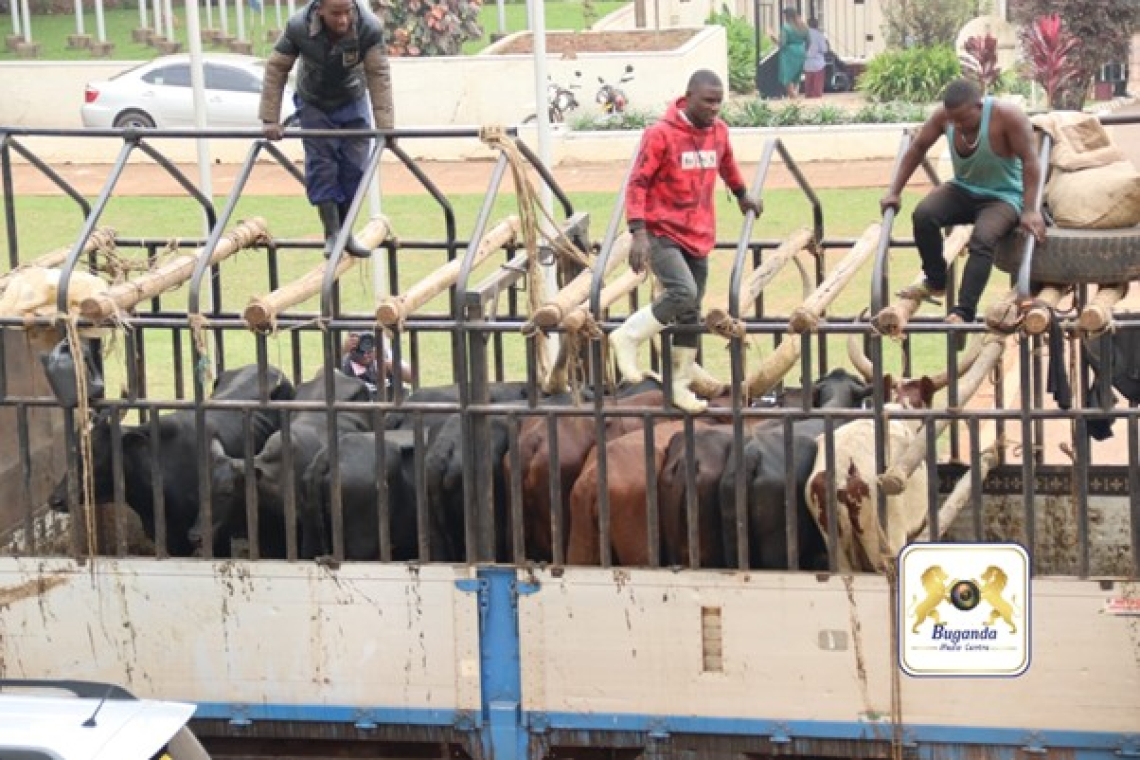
87 480
530 207
204 368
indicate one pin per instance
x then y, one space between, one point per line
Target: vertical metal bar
791 503
249 485
1134 492
518 542
1081 492
652 513
23 437
419 451
832 502
383 492
933 494
692 505
557 499
1028 458
161 536
288 489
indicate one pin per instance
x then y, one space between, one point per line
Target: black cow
765 473
308 435
177 453
358 467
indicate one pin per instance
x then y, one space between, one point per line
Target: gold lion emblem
934 581
994 581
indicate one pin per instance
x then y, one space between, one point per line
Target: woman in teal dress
793 42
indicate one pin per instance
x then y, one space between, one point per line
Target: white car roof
87 727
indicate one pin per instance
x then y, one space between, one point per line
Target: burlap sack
1079 141
1106 197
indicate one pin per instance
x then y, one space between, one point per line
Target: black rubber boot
352 246
330 220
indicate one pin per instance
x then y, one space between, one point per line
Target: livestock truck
997 618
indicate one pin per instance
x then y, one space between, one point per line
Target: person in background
343 65
359 361
815 62
793 49
996 175
671 212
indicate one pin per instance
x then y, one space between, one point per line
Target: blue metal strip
500 667
243 713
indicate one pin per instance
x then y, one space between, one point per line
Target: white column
158 28
223 17
100 25
239 6
15 8
536 14
79 17
27 17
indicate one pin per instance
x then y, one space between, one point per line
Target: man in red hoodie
671 214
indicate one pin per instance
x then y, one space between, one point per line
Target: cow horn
858 358
942 379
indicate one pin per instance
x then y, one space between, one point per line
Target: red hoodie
674 178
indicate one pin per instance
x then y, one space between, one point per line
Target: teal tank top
984 173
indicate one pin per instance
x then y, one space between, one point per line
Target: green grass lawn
847 214
51 31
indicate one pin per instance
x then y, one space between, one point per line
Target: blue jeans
334 166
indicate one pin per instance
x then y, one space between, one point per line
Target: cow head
227 502
135 440
911 393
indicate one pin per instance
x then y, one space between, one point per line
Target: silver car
158 94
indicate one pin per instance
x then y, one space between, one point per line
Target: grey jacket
330 74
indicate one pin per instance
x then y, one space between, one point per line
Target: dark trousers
949 205
334 166
682 279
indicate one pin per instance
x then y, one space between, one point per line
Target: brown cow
628 495
576 437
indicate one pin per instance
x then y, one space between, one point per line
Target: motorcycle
559 101
611 97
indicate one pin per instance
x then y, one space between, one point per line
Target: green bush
914 75
761 113
741 50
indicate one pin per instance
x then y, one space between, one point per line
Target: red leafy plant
1052 57
980 61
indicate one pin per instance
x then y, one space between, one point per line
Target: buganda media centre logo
964 610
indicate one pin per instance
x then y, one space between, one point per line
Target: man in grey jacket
343 65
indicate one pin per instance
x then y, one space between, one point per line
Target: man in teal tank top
996 176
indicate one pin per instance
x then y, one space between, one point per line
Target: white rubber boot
683 398
624 342
705 384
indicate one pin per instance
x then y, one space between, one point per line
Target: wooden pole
261 312
717 319
1040 313
805 318
893 319
777 364
395 309
959 497
1097 315
551 313
103 237
893 481
622 286
125 296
